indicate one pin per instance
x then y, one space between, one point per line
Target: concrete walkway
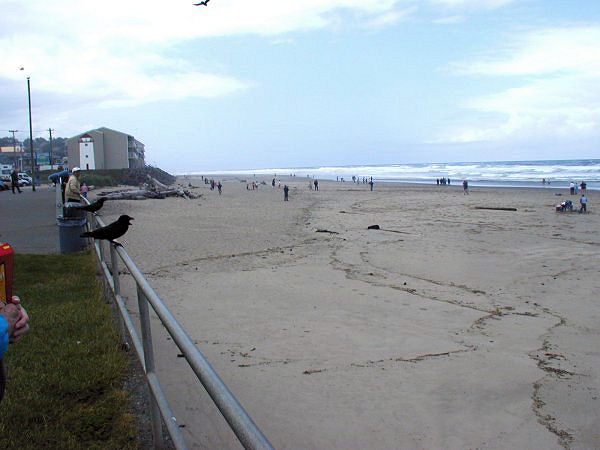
28 220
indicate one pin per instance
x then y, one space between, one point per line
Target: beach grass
65 378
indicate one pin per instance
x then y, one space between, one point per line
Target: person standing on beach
583 202
583 187
219 187
316 183
572 188
371 183
286 190
465 187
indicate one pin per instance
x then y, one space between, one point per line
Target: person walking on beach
14 181
316 183
286 190
273 182
465 187
371 183
219 187
583 202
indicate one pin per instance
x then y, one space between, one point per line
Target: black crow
111 231
204 3
92 207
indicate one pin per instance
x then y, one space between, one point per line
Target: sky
242 84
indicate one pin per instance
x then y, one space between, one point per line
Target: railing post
102 252
59 202
114 269
149 360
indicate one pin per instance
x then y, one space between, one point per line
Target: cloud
124 53
120 53
555 73
390 18
471 4
449 20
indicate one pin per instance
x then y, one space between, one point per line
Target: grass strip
65 378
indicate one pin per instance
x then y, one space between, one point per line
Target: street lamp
31 136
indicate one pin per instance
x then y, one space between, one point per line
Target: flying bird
92 207
204 3
111 231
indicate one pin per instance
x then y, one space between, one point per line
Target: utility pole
31 136
14 146
50 130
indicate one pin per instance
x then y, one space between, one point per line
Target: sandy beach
450 327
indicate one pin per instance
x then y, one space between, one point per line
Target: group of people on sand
573 187
443 181
567 205
214 184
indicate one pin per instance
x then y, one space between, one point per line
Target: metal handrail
242 425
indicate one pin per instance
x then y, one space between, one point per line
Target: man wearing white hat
73 187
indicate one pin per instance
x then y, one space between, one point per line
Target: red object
6 272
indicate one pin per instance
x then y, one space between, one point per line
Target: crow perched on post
111 231
92 207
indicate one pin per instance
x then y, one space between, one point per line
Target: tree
7 141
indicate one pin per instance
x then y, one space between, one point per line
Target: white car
24 179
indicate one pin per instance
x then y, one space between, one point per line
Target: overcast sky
282 83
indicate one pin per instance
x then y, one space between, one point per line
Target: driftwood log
152 189
496 208
143 194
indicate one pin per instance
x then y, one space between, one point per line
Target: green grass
65 378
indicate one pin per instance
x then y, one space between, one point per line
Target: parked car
26 179
4 185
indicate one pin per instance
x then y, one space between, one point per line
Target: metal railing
238 419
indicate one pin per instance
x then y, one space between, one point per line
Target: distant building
11 149
104 148
12 155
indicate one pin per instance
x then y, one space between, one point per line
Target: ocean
556 173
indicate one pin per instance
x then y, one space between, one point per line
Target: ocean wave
500 172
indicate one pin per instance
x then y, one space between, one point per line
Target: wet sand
451 327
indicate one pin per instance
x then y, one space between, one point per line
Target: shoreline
458 184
